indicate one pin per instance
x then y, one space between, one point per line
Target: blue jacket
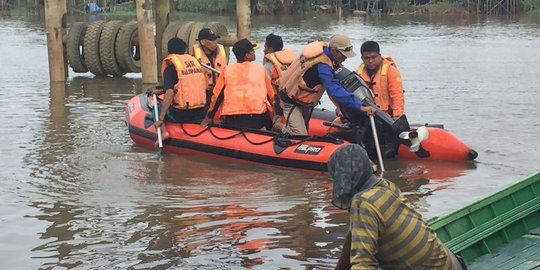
335 91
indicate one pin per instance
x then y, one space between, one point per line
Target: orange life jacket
380 88
245 89
280 61
291 81
190 91
219 63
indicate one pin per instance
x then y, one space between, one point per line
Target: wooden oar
156 118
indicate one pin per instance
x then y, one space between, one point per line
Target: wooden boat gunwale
492 221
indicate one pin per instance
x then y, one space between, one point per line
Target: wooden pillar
54 13
58 101
147 43
162 20
243 15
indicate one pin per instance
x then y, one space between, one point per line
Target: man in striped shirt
385 231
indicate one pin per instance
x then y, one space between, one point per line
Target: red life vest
280 61
219 62
380 86
190 91
245 89
291 81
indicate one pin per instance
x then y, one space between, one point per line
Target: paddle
156 117
377 145
210 68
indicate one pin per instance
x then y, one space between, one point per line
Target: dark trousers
186 116
255 121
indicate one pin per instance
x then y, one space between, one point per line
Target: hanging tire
127 48
168 33
220 30
75 47
185 30
194 34
107 44
91 48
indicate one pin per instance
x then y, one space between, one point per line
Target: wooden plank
489 261
511 263
532 251
527 265
522 253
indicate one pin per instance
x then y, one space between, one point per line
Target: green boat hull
496 221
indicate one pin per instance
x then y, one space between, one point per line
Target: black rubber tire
126 43
91 48
194 34
220 30
168 33
75 48
184 31
107 44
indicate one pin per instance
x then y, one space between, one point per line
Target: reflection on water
79 194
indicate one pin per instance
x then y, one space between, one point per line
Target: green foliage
529 5
397 5
445 8
212 6
228 6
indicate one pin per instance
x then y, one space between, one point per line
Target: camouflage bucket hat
349 168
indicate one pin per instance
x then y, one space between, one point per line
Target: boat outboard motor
353 83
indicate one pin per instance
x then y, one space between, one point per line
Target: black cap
207 33
243 46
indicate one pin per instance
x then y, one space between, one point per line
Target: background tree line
274 7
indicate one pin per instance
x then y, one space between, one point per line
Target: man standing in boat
243 95
184 87
385 231
383 78
304 82
276 60
210 53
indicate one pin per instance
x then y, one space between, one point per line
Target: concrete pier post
162 20
147 43
243 15
55 28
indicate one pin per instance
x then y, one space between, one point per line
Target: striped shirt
387 232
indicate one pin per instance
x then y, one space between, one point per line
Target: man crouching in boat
243 95
304 82
184 85
385 231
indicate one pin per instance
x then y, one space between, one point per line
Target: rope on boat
243 133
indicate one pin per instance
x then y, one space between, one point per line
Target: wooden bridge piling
55 11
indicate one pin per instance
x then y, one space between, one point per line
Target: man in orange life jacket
382 76
276 60
184 87
306 79
243 95
210 53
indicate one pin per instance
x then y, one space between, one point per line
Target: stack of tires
112 47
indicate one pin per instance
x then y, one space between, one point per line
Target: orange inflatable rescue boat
396 137
268 147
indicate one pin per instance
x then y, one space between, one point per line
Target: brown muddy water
76 193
